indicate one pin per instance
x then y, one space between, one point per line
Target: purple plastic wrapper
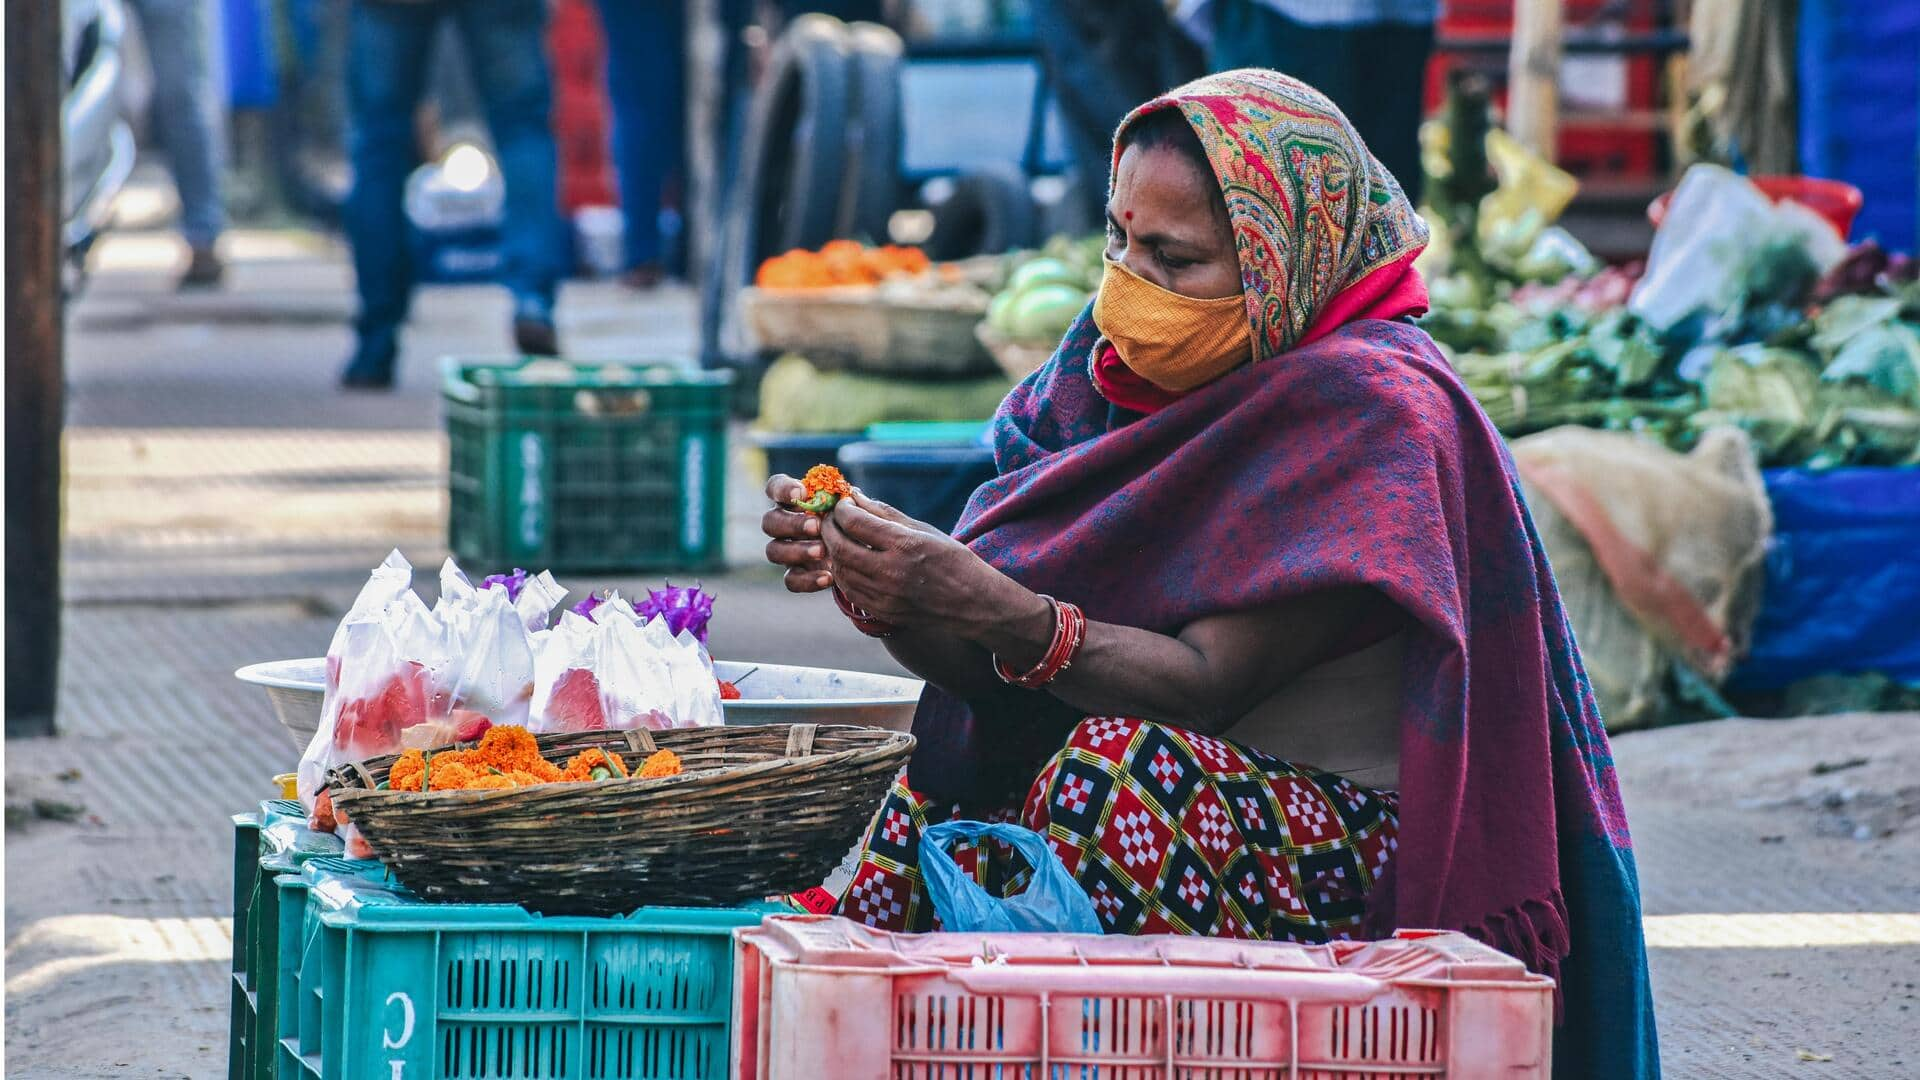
684 607
514 582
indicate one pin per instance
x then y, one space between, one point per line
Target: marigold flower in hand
660 763
825 487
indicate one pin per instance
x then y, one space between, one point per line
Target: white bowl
771 694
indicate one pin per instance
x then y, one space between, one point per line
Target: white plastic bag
613 672
490 641
388 580
1715 223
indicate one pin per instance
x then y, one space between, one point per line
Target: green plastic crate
584 467
389 986
267 844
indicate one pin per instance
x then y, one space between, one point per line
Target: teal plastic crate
388 986
266 845
338 875
585 467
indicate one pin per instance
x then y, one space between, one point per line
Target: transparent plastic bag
1717 223
615 671
490 636
393 677
1052 903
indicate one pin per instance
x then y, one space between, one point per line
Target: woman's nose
1135 259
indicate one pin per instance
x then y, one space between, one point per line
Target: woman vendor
1247 519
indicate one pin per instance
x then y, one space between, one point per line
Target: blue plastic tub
928 481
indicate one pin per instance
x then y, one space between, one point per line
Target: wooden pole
1533 76
36 392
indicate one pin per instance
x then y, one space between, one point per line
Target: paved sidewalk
225 502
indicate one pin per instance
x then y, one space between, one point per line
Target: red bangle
1069 633
863 622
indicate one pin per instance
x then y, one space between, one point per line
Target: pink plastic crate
818 996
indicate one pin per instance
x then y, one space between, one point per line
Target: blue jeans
189 113
646 88
389 45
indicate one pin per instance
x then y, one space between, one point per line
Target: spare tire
795 157
787 192
987 210
871 188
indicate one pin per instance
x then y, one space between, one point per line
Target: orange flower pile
509 757
840 262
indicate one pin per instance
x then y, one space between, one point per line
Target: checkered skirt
1168 831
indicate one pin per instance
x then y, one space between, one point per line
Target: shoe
204 271
644 278
373 362
369 378
533 331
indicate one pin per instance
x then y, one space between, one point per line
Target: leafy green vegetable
1885 357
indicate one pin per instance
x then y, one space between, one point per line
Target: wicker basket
857 327
759 811
1017 359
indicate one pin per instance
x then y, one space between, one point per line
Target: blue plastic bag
1053 901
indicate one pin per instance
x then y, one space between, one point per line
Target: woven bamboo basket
759 811
857 327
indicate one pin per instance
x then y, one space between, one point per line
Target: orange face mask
1174 342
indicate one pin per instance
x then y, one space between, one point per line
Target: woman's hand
914 576
794 538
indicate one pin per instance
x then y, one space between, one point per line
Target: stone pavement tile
1773 929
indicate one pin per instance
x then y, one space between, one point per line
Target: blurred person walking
646 88
390 45
190 116
1369 56
1103 57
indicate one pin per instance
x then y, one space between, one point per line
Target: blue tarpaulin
1843 578
1859 71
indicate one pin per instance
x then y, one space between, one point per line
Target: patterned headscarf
1323 230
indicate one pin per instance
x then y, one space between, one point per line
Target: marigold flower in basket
506 748
661 763
407 772
825 488
594 764
452 775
